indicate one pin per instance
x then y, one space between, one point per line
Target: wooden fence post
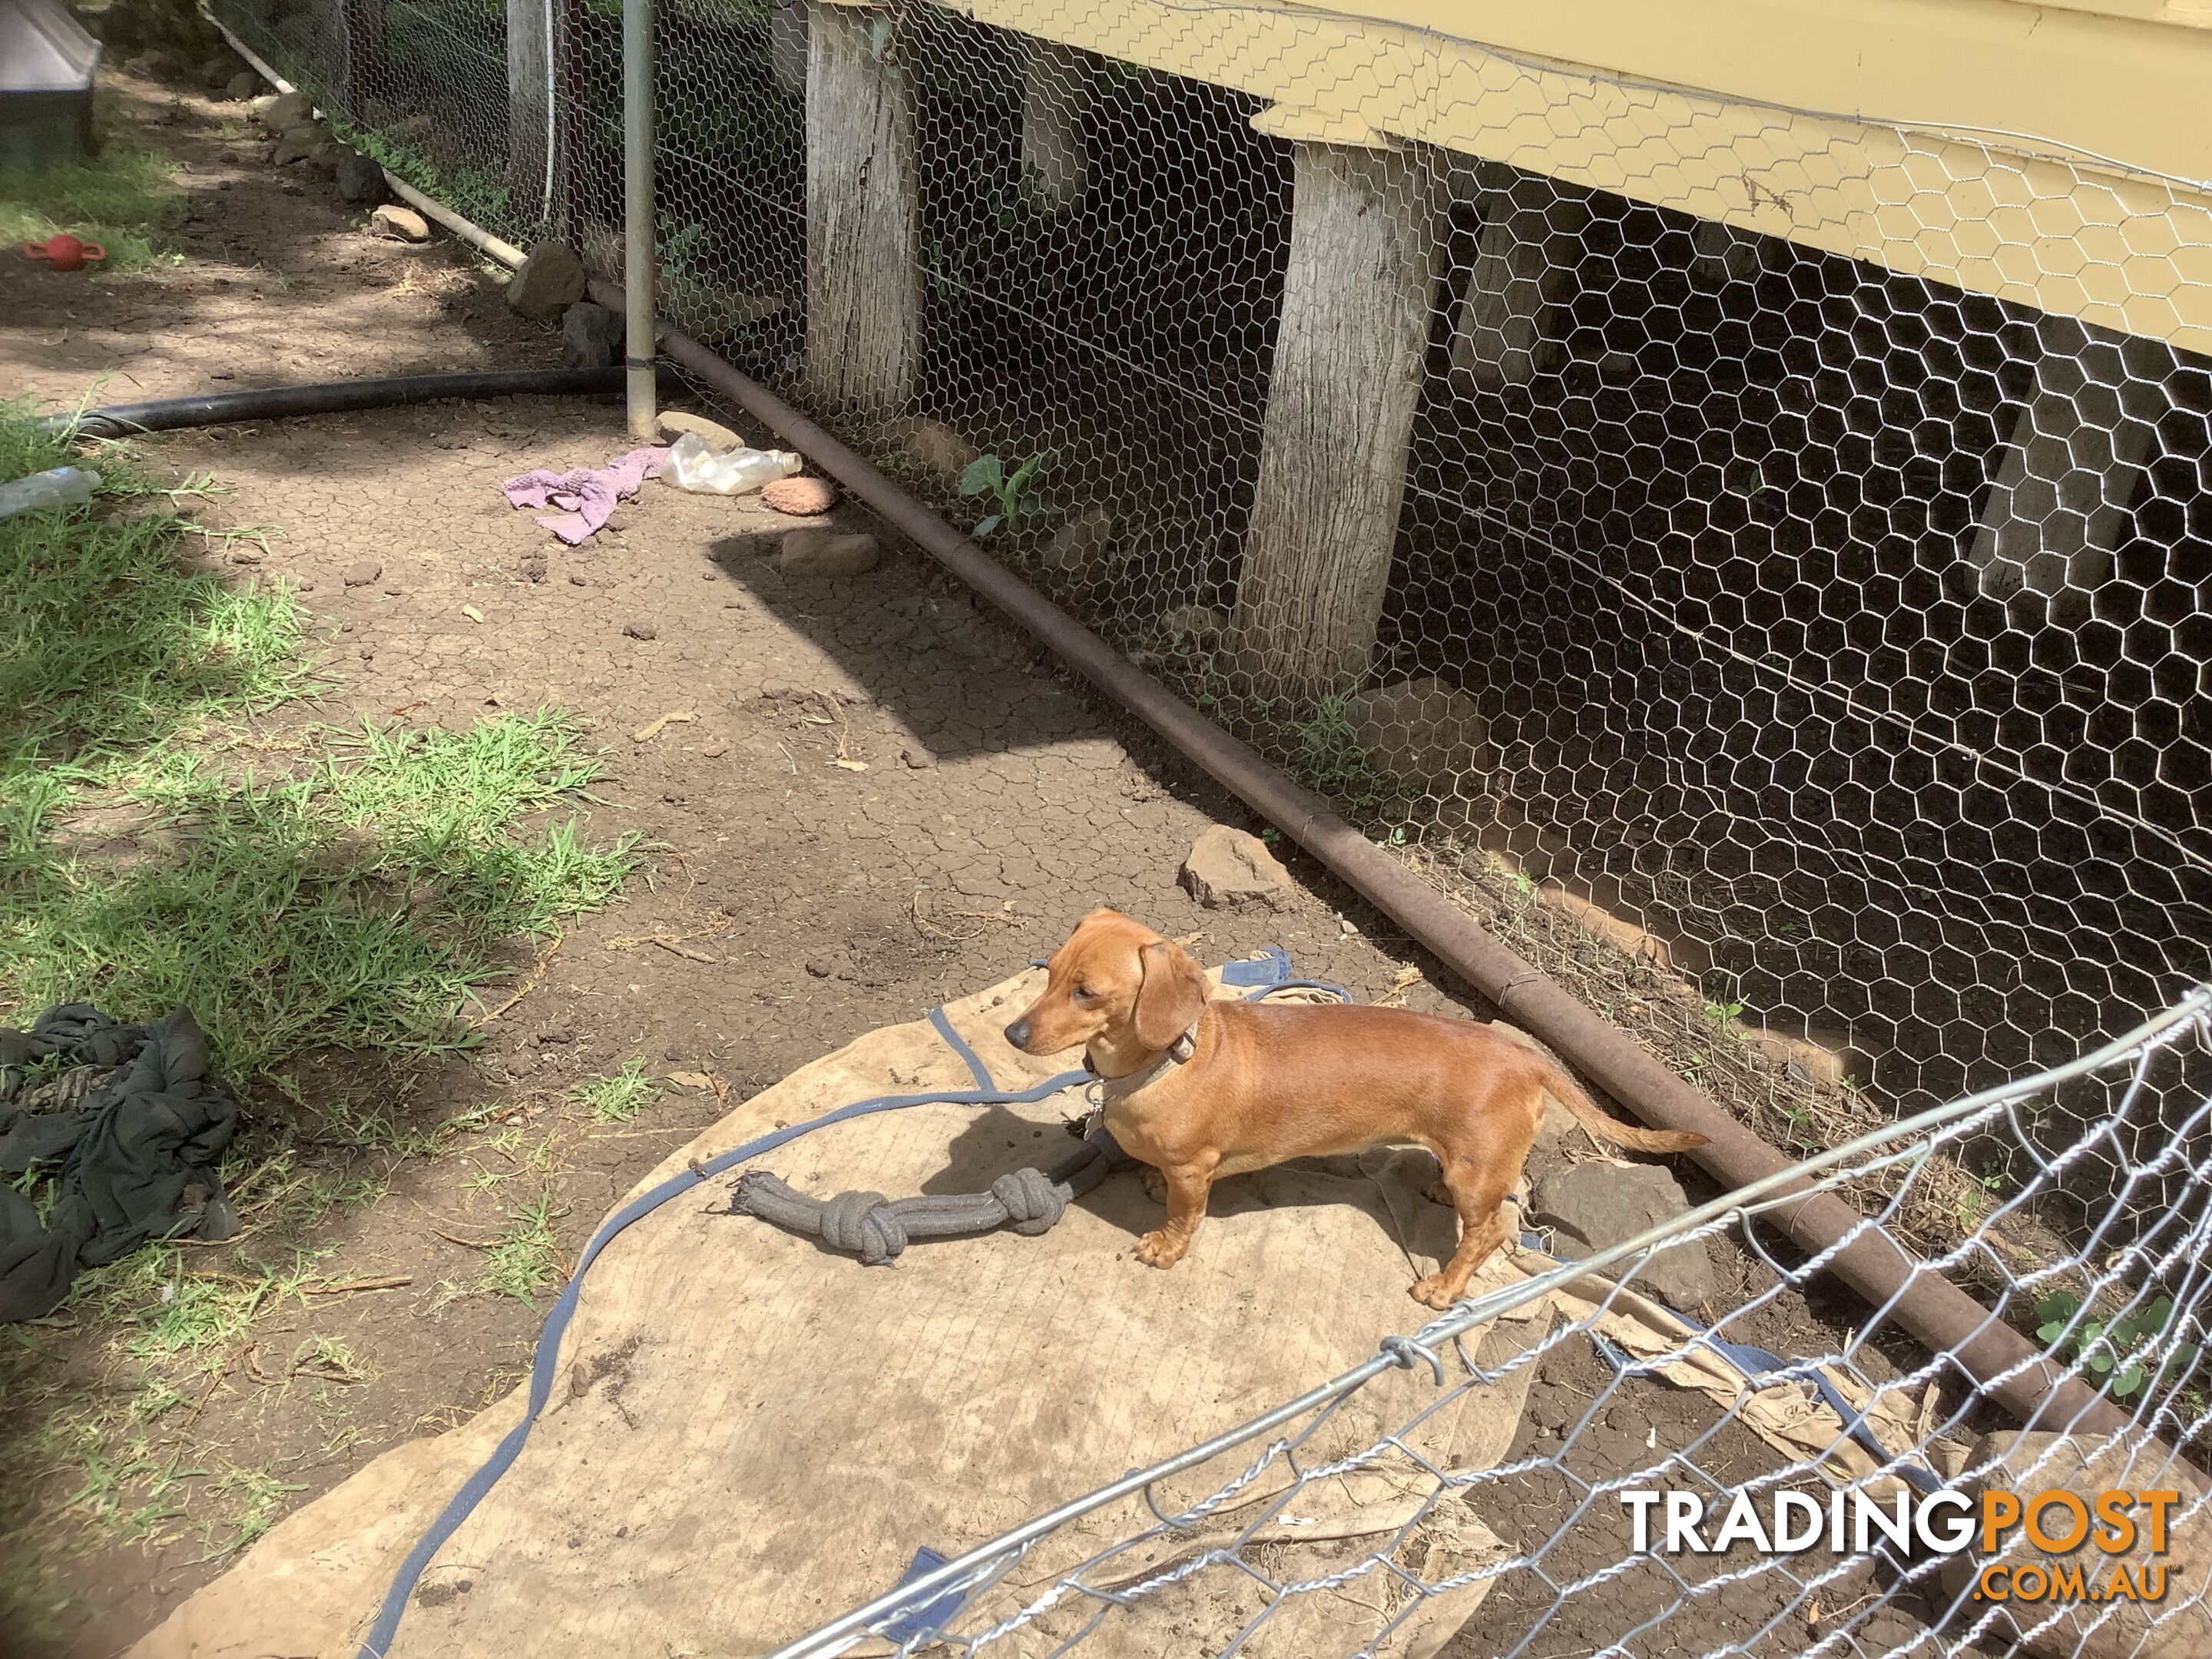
1507 330
1057 87
1350 352
864 287
2072 460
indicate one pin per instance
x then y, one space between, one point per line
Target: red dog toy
65 252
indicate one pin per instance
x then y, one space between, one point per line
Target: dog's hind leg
1479 1190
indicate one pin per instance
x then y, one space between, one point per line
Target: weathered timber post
1507 330
2071 463
530 104
1349 355
864 291
1057 88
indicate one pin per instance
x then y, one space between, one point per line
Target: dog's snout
1018 1034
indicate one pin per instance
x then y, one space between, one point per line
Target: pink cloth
586 496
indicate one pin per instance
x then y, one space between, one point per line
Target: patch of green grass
356 902
255 1498
1328 756
124 199
107 645
619 1099
525 1261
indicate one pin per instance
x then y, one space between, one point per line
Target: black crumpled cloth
137 1130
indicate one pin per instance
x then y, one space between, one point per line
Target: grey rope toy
877 1229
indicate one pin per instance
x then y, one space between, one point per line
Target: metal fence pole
638 283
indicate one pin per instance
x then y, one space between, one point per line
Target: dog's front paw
1160 1250
1434 1291
1156 1185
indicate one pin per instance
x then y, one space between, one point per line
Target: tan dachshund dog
1200 1089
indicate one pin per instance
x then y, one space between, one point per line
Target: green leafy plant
1012 494
619 1099
2130 1354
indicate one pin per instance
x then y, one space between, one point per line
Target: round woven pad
803 498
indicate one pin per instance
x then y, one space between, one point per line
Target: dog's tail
1606 1127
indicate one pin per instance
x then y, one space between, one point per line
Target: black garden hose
330 397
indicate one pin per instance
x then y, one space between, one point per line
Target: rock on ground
547 282
298 143
282 111
674 423
1228 867
938 448
361 180
401 224
1590 1206
362 572
826 553
1083 540
240 86
591 336
1421 730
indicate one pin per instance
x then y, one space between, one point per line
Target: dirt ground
790 902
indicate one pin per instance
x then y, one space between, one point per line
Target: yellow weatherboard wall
2009 148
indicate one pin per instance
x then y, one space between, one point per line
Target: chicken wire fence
1471 1477
1804 660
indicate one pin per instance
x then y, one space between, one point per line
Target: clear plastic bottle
692 465
60 486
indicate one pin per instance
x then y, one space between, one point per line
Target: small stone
399 224
1228 867
938 448
246 556
617 521
547 282
591 336
674 423
640 631
1589 1206
1082 541
1195 623
826 553
297 144
1421 729
362 572
240 86
216 72
1817 1061
578 581
818 970
534 569
360 181
802 498
284 110
917 758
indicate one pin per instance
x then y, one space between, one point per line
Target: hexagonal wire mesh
1803 660
1806 662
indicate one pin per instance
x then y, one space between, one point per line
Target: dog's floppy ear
1174 991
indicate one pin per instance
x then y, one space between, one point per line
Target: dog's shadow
1388 1185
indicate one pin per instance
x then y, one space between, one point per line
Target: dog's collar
1119 1088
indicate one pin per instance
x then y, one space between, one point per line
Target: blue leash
1270 973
